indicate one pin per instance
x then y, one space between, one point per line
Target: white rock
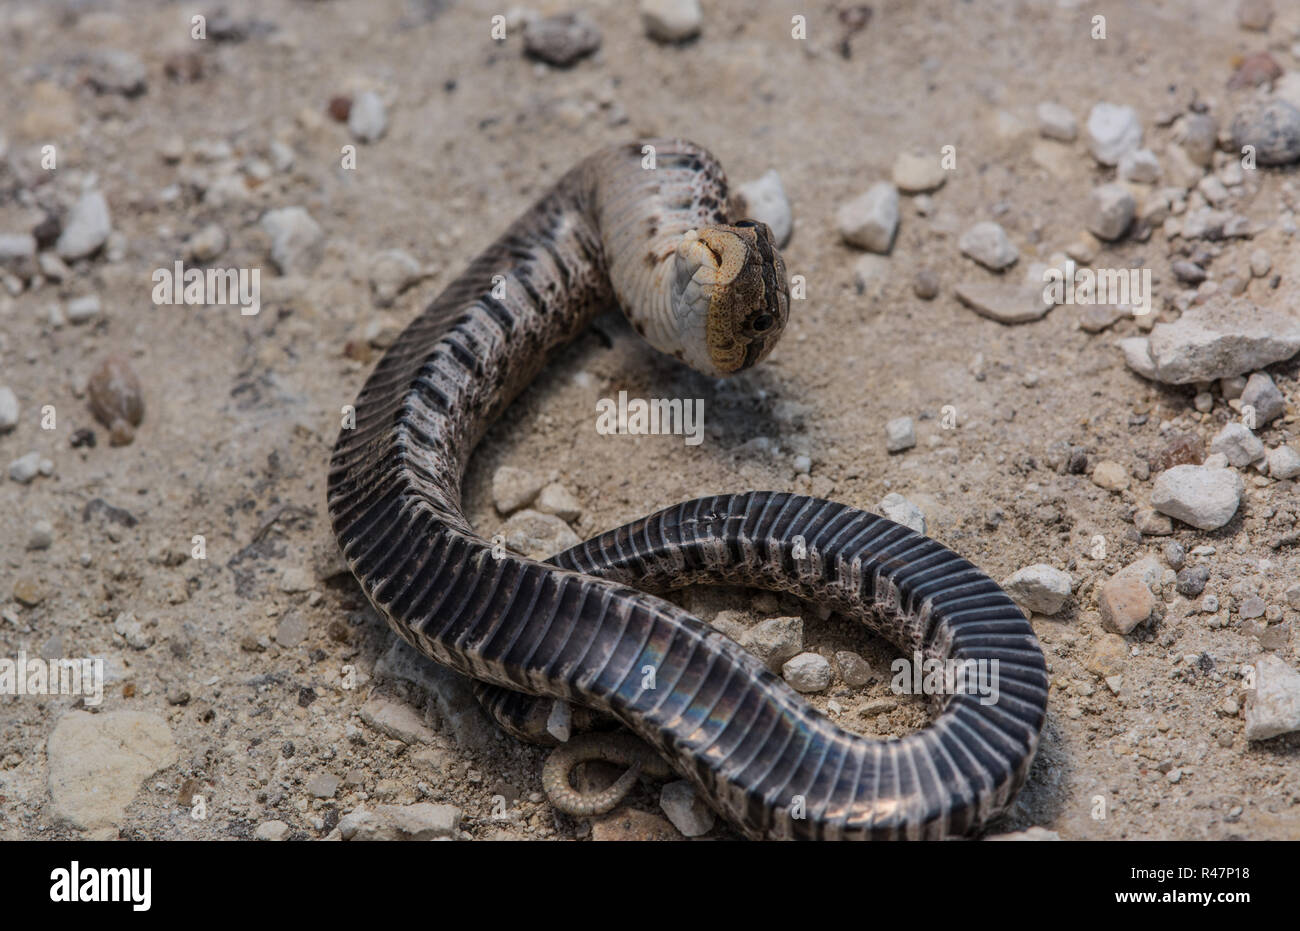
296 239
870 220
1215 340
96 763
671 20
422 821
558 500
25 468
392 271
1140 166
367 120
1057 122
1041 588
1283 463
901 511
295 579
1035 833
774 641
900 434
988 244
1112 130
88 227
514 488
765 200
918 172
206 244
1263 396
271 831
82 309
807 672
114 71
1204 497
1273 707
871 274
1004 302
8 410
1237 444
685 809
537 535
1111 209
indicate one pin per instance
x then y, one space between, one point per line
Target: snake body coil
574 629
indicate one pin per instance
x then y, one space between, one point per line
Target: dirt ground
240 656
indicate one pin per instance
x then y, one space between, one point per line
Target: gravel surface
164 511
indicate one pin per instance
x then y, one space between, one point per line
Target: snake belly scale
583 627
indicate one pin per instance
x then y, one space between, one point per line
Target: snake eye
762 323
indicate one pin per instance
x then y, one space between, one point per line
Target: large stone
1216 340
807 672
1263 396
536 535
1273 707
1004 302
97 762
1237 444
685 809
1125 602
1202 496
775 640
422 821
1042 589
1272 128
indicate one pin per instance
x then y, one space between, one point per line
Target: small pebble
367 118
8 409
987 243
901 511
87 228
807 672
1040 588
671 20
926 284
116 400
1057 122
25 468
1111 209
870 220
918 172
900 434
765 200
561 40
1112 130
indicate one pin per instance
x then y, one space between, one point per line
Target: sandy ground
245 678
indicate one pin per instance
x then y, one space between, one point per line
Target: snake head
730 296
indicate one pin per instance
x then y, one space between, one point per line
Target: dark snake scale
575 628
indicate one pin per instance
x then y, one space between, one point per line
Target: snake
649 226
